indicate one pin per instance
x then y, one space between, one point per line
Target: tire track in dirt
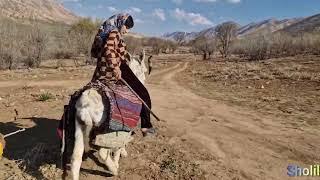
256 146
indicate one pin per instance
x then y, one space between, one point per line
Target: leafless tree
35 46
179 38
134 45
225 33
204 46
171 46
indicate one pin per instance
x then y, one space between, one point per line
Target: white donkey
90 112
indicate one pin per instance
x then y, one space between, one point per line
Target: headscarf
115 22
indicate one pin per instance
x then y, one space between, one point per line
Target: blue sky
156 17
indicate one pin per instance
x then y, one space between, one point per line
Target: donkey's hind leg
77 151
87 131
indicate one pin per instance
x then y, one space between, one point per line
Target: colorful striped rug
125 108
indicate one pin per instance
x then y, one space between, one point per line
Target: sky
156 17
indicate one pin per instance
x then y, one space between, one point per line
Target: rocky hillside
181 36
45 10
268 26
310 24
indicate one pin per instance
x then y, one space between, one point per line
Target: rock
262 87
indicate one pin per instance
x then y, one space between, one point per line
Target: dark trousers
140 89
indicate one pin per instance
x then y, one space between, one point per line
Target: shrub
45 97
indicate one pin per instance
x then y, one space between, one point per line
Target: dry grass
285 86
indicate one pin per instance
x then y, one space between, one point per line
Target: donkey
90 112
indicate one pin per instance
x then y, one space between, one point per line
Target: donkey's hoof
114 171
123 152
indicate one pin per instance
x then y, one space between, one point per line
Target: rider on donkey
110 50
114 67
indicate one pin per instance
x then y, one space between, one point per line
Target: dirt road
256 146
199 138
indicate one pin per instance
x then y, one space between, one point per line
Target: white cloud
205 0
80 5
70 0
191 18
159 13
138 20
131 10
177 1
234 1
209 1
135 9
112 9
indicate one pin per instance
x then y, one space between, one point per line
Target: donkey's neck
138 70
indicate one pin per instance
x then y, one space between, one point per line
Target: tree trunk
204 56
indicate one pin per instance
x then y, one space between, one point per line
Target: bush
277 45
256 49
81 35
63 54
35 46
203 46
45 97
134 45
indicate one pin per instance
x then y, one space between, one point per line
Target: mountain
266 27
180 36
44 10
134 35
309 24
256 28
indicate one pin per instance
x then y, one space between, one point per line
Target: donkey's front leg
77 151
106 156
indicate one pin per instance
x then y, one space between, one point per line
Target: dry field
287 87
222 120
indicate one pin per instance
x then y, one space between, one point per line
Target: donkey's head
138 66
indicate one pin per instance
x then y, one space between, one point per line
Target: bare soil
202 136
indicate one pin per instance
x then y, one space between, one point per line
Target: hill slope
309 24
45 10
294 25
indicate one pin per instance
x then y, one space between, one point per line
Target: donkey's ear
143 55
128 56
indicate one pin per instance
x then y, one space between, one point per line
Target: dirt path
258 147
47 83
242 143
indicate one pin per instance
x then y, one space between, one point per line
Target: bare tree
134 45
170 46
225 33
36 44
204 46
156 44
82 33
180 38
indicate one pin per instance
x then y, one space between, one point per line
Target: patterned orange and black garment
113 55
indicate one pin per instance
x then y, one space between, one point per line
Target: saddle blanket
125 108
123 115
